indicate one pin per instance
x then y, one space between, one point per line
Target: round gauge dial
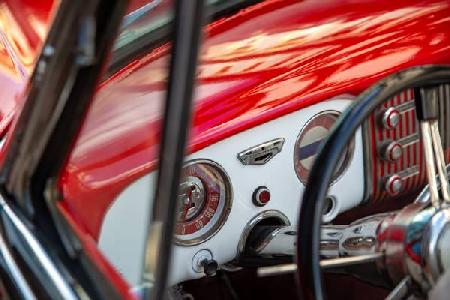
309 141
205 196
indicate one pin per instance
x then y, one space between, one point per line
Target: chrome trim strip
409 140
329 245
409 172
367 148
13 271
36 252
404 107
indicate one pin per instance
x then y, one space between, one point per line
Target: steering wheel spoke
440 161
325 264
342 262
430 159
428 113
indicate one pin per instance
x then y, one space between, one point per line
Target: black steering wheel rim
309 274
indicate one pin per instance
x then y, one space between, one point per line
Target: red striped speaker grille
410 165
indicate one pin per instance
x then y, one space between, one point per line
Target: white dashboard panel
122 234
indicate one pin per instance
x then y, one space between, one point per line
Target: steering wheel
410 244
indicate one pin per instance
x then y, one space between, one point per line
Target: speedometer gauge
205 196
308 143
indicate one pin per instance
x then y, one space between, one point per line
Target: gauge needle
186 205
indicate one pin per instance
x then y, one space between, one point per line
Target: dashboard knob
391 151
394 184
390 118
210 267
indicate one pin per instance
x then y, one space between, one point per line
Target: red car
145 154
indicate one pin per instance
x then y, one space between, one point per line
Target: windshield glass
148 25
146 19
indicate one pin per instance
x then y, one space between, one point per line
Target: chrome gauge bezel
348 156
224 212
265 214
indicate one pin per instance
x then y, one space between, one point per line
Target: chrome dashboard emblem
262 153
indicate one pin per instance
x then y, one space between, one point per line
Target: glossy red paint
262 63
23 27
24 24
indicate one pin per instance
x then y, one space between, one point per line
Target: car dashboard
272 81
259 175
229 209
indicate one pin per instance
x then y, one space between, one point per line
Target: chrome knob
390 118
391 151
394 185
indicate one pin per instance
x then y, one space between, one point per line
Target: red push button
261 196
